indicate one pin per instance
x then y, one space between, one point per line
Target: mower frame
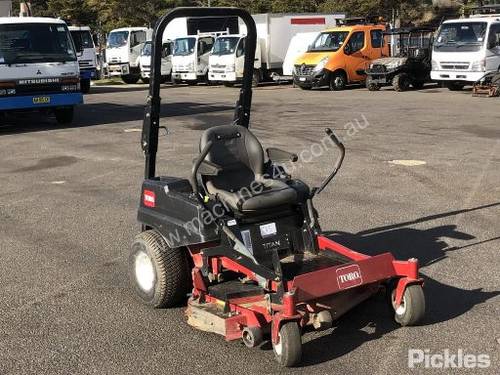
269 296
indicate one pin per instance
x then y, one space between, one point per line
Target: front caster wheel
160 275
288 351
411 311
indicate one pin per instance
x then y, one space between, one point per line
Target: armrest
281 156
207 168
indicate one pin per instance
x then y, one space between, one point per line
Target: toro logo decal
349 277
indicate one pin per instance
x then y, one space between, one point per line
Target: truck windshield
82 39
225 45
461 37
24 43
184 46
117 39
146 50
329 41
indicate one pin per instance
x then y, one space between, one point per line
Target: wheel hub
144 272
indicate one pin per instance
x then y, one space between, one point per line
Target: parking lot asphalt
421 179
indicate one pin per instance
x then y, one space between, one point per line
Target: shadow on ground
372 319
101 114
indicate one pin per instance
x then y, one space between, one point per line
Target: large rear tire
455 86
288 351
160 275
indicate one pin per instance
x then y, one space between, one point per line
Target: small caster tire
252 337
288 351
412 309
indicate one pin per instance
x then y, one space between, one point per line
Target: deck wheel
412 308
288 351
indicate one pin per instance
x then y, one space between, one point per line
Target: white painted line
133 130
408 163
58 182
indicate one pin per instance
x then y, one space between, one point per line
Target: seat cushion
260 195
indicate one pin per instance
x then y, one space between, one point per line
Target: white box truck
465 50
166 61
274 33
38 67
86 53
191 51
123 51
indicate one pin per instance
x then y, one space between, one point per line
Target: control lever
337 166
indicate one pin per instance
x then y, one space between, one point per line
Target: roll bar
150 128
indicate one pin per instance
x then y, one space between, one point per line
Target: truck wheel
228 84
412 308
372 86
160 275
338 81
256 78
145 80
401 82
288 351
85 86
455 86
64 116
130 79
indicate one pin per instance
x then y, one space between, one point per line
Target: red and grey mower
242 238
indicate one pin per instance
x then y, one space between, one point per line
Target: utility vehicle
409 65
242 238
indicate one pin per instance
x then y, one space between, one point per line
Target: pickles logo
349 277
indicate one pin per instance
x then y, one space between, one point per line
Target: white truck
465 50
123 52
274 34
166 61
38 67
86 53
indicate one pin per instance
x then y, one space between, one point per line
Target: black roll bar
149 140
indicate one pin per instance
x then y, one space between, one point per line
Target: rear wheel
256 78
418 85
371 85
401 82
64 116
130 79
411 311
228 84
338 81
85 86
160 275
288 351
145 80
455 86
192 83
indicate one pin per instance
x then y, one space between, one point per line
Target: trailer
274 34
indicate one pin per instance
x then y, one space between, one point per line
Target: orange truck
339 56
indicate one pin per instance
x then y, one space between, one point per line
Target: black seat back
238 152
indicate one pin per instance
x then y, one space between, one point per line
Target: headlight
478 66
435 65
321 65
394 64
230 68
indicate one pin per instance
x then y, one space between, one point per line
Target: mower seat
240 182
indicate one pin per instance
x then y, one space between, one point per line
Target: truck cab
123 51
465 50
86 53
228 58
38 67
166 61
340 56
190 58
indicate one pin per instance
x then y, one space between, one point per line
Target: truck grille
304 70
455 65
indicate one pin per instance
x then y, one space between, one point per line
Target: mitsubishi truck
38 67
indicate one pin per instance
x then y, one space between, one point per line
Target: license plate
268 230
41 100
302 79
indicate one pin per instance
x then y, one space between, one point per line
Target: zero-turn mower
240 239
